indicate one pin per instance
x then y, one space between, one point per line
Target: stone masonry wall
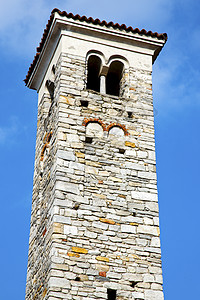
95 223
39 262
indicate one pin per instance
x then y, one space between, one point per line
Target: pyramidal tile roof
161 36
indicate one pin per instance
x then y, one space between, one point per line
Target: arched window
116 131
113 78
93 78
94 129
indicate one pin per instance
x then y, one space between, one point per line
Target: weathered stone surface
128 228
107 221
152 230
62 219
79 250
102 268
90 234
130 144
101 258
138 295
72 230
144 196
80 154
73 254
67 187
66 155
153 295
57 282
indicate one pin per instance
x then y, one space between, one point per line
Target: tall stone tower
94 225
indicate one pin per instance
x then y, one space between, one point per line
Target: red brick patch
117 125
46 140
93 120
45 230
102 274
105 128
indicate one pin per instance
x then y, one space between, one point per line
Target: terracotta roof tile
162 36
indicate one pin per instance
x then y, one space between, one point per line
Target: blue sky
176 82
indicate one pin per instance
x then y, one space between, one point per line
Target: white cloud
22 22
175 82
21 25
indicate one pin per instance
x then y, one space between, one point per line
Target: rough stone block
144 196
102 258
57 282
128 228
152 230
153 295
130 144
107 221
66 155
70 230
79 250
67 187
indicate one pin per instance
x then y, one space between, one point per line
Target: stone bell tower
94 225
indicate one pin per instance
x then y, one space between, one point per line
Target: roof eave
58 21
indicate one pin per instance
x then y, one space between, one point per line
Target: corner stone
153 295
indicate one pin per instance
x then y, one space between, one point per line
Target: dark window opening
130 114
113 78
133 283
84 103
50 86
54 69
111 294
77 279
93 78
76 205
88 140
121 151
46 120
134 214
